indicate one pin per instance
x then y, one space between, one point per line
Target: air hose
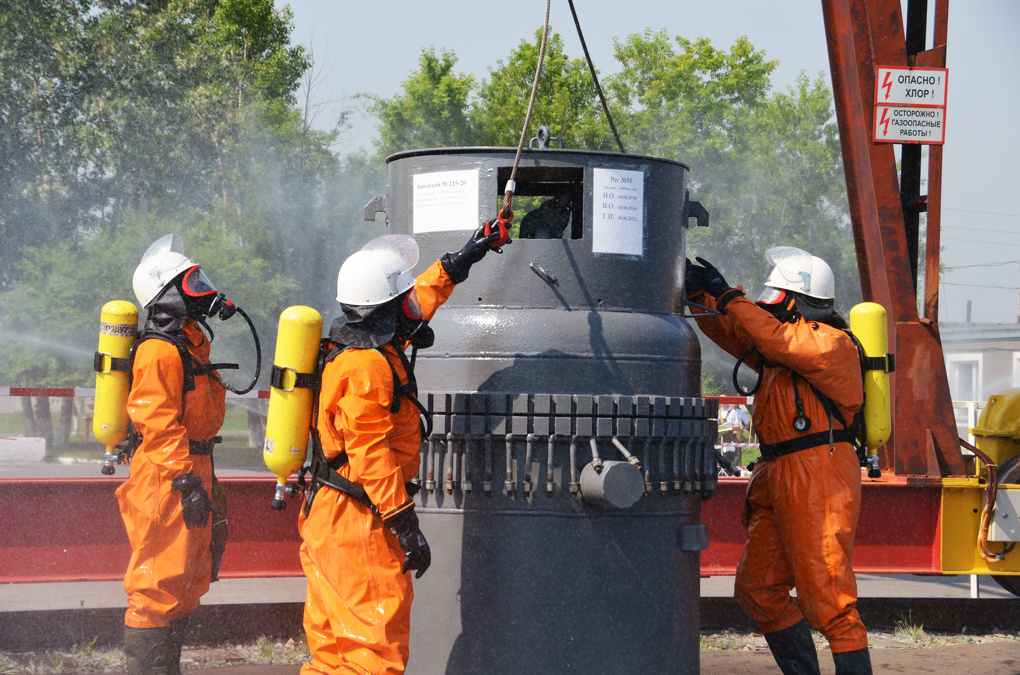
258 358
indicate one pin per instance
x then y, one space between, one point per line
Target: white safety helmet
799 271
379 272
160 265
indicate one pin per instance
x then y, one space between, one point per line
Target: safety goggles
771 296
412 308
196 284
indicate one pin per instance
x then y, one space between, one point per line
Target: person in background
803 497
738 421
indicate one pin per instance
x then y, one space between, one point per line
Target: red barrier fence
69 529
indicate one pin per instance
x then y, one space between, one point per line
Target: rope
511 184
598 87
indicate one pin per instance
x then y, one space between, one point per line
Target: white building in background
981 359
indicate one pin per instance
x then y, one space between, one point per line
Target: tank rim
484 149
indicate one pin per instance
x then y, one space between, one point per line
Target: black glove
195 502
710 277
458 264
417 554
694 279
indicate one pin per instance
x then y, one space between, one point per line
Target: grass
267 651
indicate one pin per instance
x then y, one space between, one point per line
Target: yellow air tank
118 330
868 324
292 394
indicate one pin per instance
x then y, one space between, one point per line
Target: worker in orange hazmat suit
176 405
803 497
360 534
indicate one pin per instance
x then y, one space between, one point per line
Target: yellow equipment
118 330
868 324
292 395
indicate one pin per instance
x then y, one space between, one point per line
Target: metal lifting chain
511 184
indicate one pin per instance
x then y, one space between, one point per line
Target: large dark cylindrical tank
562 353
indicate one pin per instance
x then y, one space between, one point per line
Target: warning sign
911 86
444 201
910 124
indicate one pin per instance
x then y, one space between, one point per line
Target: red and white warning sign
910 124
911 86
910 105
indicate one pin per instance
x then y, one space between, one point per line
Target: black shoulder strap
191 366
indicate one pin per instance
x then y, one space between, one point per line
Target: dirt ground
972 655
905 651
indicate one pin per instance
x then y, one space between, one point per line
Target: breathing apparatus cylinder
868 324
118 331
292 395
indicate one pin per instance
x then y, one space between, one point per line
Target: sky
373 46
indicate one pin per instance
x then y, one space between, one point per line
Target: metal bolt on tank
563 480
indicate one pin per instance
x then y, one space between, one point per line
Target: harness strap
301 380
330 477
327 473
116 364
190 364
771 451
203 448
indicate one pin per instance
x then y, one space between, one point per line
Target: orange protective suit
170 564
358 605
802 508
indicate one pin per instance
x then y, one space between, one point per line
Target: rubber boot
178 629
147 650
857 662
794 650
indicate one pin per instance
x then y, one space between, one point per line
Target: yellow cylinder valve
118 331
868 324
292 395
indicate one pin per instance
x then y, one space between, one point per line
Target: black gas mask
788 306
780 303
202 298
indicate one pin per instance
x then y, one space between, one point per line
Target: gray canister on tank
562 356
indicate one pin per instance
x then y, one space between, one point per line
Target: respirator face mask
201 294
778 302
203 300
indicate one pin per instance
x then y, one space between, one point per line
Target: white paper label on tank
444 201
618 212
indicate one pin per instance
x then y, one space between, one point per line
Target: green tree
50 314
688 102
39 99
430 112
179 114
566 100
174 82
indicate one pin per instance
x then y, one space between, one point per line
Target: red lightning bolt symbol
886 84
885 122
